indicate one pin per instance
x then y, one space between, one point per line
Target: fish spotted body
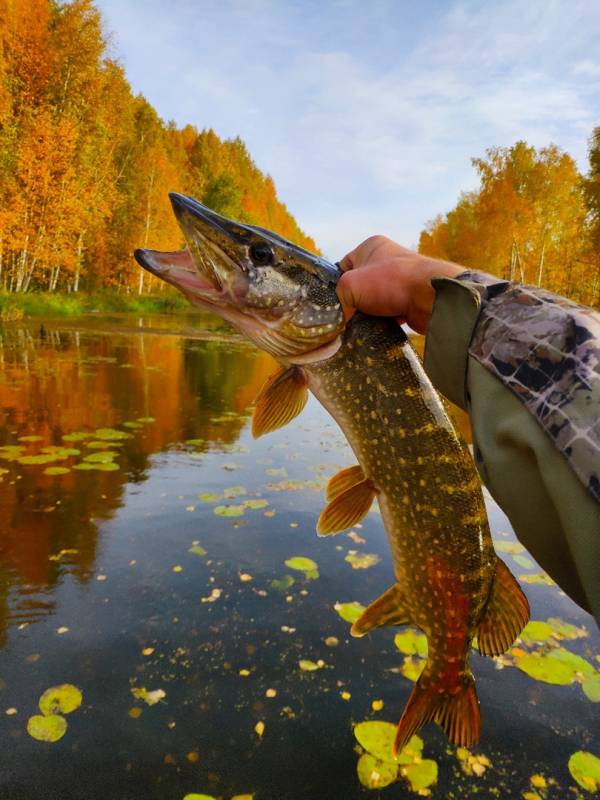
448 579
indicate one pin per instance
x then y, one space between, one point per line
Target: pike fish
448 580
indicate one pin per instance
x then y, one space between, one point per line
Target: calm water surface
99 588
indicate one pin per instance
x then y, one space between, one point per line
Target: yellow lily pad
258 503
49 728
361 560
42 458
375 774
411 642
196 796
60 699
302 564
585 768
282 584
557 666
536 631
102 457
412 668
32 438
76 436
421 774
56 470
591 687
349 612
229 511
376 738
197 550
110 433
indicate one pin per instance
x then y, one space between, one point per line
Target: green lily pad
557 666
103 457
56 470
109 466
76 436
421 775
54 449
229 511
236 491
591 687
102 445
513 548
196 796
565 630
537 578
43 458
412 668
134 425
197 550
111 433
349 612
303 564
146 420
411 643
536 631
361 560
283 584
524 562
194 442
47 728
31 438
375 774
585 768
258 503
210 497
60 699
277 472
376 738
412 751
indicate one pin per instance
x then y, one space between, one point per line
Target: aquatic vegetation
151 698
377 767
585 768
411 642
50 725
303 564
197 550
349 612
361 560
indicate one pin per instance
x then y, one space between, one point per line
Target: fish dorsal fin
282 398
388 609
347 508
506 613
343 480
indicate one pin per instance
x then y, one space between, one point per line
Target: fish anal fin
388 609
346 509
456 712
506 613
344 479
282 398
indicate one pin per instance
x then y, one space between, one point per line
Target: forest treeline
86 165
534 218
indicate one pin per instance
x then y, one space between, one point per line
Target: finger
374 289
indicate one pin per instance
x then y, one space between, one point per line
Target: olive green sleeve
551 511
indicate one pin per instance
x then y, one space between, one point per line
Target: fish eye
261 253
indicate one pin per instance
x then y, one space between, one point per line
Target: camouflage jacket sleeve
525 365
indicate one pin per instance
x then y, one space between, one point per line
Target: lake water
154 580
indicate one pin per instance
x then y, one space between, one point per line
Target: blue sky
366 114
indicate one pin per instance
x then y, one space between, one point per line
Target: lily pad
591 687
375 774
194 442
564 630
412 668
236 491
258 503
229 511
513 548
585 768
47 728
309 666
303 564
411 643
56 470
361 560
111 433
103 457
196 796
558 666
197 550
524 562
349 612
283 584
76 436
421 774
60 699
32 438
43 458
210 497
536 631
376 738
109 466
146 420
149 697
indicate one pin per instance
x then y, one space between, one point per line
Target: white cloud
367 117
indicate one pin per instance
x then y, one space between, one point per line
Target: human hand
385 279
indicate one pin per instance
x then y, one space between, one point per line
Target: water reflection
55 382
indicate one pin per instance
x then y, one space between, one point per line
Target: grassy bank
17 306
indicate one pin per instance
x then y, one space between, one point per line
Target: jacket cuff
453 319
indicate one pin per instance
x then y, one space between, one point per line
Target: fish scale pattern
546 350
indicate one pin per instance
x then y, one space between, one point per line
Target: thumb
374 289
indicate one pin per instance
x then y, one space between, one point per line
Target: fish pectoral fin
388 609
506 613
342 480
282 398
347 508
457 712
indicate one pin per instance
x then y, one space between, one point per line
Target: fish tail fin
458 714
506 613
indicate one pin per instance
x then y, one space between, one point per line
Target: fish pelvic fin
506 613
347 508
342 480
388 609
456 712
282 398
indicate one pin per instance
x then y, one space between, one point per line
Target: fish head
276 293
